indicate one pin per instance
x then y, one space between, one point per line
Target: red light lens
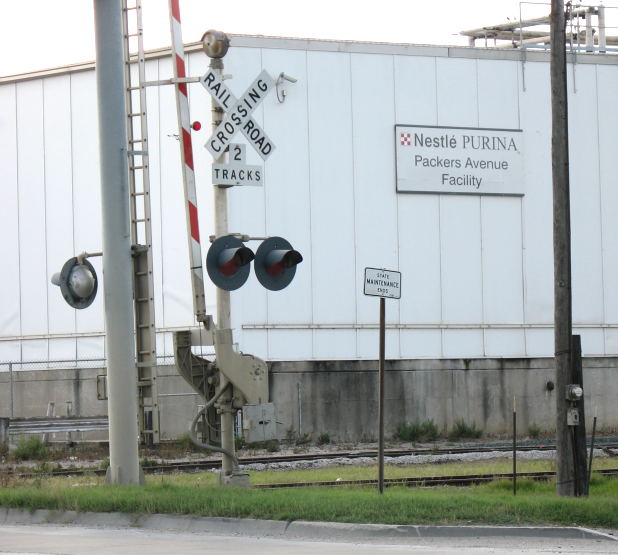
196 126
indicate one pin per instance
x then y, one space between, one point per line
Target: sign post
382 283
230 116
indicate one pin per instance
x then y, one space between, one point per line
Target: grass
329 474
534 431
30 448
491 504
462 430
323 438
197 494
417 431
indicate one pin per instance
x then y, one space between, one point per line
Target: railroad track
210 464
195 466
424 481
429 481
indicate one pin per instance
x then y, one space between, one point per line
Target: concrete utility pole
566 478
117 262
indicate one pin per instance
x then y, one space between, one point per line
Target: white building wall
477 270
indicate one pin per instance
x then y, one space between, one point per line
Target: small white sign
382 283
236 174
236 171
459 160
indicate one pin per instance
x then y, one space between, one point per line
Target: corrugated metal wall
477 272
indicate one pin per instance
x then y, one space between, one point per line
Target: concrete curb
289 530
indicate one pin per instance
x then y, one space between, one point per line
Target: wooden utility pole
580 459
565 467
562 245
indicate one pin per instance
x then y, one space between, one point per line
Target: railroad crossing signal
275 264
238 116
227 262
78 282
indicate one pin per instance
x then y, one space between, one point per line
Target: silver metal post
12 390
300 409
601 23
117 264
589 36
224 320
381 397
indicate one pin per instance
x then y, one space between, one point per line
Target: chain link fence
11 368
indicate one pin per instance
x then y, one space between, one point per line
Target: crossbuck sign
238 114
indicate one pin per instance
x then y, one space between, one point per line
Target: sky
50 33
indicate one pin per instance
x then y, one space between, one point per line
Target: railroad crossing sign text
236 172
238 114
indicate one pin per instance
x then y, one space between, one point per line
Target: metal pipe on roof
601 24
589 32
513 25
494 31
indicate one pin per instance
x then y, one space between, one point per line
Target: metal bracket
280 88
81 257
248 373
172 81
202 336
240 236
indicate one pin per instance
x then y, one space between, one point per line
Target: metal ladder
141 230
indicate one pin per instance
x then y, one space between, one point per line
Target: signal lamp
227 262
275 263
78 282
215 43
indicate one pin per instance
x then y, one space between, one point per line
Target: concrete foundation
340 397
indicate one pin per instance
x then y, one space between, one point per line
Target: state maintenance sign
460 160
382 283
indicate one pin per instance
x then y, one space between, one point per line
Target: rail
57 424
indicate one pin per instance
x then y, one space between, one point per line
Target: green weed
239 442
417 431
272 445
146 462
30 448
303 440
534 431
462 430
323 438
184 443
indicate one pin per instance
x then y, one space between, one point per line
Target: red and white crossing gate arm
186 155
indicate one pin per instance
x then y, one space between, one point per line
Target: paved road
70 540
